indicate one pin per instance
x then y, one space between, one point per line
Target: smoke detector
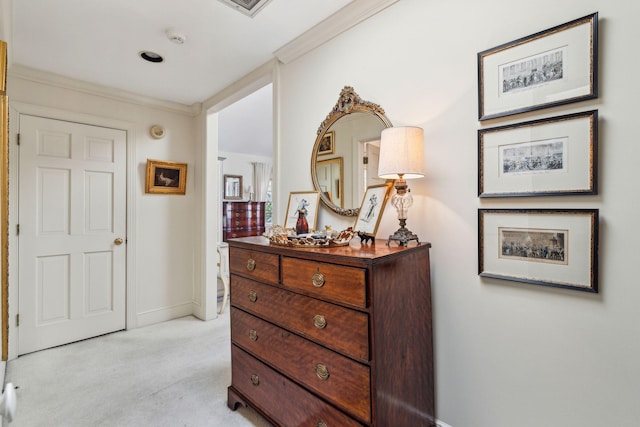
247 7
175 36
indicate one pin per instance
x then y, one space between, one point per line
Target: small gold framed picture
164 177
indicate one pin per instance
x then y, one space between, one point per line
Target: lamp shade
401 153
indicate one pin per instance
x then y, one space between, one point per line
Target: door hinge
365 160
17 320
18 140
17 229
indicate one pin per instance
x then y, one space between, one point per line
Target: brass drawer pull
253 296
319 321
317 279
253 335
255 379
321 424
322 372
251 264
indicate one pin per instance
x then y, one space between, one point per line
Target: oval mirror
344 159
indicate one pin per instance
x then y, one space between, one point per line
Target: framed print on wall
164 177
553 67
326 144
550 247
370 213
547 157
302 200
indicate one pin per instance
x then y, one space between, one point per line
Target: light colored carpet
174 373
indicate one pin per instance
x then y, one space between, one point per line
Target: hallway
174 373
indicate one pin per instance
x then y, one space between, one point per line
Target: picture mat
576 174
370 226
295 198
576 81
577 273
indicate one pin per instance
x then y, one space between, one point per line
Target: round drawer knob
253 335
251 264
319 321
255 379
253 296
317 279
322 372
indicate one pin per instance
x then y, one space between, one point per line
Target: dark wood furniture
333 337
242 219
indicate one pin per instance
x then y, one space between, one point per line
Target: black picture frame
547 157
549 247
510 80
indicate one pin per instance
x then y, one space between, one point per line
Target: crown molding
57 80
341 21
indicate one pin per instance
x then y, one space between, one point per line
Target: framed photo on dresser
307 200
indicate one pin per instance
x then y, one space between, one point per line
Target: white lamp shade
401 152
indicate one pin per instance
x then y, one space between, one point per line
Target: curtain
261 177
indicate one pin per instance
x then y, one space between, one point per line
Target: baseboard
163 314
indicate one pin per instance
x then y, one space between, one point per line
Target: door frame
16 109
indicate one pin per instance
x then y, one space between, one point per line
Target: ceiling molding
56 80
341 21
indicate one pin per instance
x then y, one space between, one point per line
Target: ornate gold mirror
344 158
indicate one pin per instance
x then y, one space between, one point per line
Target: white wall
507 354
163 235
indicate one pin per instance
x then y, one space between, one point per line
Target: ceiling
98 41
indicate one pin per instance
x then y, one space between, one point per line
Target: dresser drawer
335 282
254 264
234 234
280 398
347 383
333 326
231 223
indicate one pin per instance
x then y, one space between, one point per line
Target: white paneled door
72 232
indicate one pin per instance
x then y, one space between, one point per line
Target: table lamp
402 158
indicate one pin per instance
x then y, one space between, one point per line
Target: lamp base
403 236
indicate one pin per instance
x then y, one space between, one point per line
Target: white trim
57 80
441 423
18 108
159 315
344 19
211 210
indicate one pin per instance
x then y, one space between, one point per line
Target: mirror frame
348 102
228 195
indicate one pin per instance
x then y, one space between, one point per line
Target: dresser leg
233 399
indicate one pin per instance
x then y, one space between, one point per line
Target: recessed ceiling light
147 55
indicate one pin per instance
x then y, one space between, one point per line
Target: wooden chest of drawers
242 219
334 337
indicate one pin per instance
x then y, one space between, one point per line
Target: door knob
118 241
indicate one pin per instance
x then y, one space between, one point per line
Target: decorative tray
280 237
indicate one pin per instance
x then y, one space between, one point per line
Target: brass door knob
118 241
